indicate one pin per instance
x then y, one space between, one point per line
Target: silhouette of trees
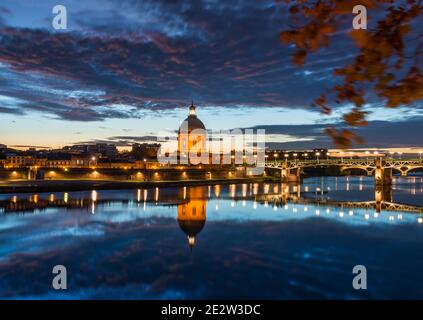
387 65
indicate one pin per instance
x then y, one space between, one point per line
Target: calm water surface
231 241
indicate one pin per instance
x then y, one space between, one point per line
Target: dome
191 227
192 121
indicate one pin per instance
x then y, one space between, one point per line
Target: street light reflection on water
326 218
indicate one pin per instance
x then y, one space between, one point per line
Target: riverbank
25 186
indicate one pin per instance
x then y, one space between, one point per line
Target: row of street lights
295 155
342 154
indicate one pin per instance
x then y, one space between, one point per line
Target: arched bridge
379 167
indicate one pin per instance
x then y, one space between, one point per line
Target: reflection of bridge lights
232 204
94 196
185 193
286 207
255 188
156 196
255 205
232 190
420 220
14 199
217 191
244 190
399 217
391 218
275 207
266 204
66 197
366 216
317 212
294 210
341 214
351 213
306 189
244 203
217 207
51 198
305 209
328 211
138 195
376 215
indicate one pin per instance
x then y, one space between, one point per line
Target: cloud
378 134
136 56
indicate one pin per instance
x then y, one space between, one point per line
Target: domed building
192 214
192 135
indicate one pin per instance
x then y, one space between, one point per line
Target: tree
387 65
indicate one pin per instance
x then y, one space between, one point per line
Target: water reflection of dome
192 214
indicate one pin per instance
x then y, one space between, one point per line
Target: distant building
19 160
148 151
108 150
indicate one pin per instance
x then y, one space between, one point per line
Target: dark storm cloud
160 54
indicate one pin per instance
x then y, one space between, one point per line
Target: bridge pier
383 175
382 194
290 174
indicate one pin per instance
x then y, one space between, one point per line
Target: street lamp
295 157
351 155
367 155
317 155
275 156
420 154
400 154
392 154
342 156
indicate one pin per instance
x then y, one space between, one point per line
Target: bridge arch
357 170
415 169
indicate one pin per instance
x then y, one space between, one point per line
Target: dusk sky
126 69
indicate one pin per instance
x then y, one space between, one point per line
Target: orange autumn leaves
387 66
